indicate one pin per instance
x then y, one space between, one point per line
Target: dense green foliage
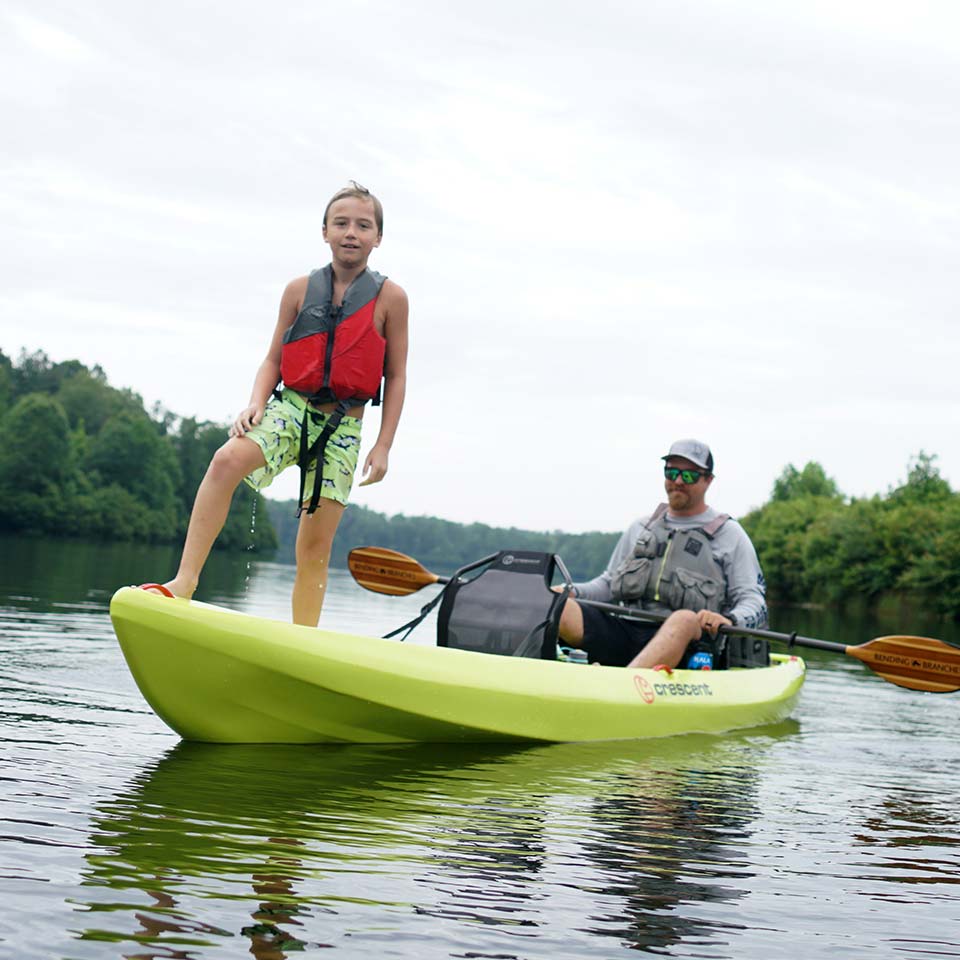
79 458
811 481
817 546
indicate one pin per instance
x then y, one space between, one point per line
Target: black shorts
611 640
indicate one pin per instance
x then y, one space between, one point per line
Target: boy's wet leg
314 542
230 464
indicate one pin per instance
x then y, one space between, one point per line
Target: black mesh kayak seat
507 608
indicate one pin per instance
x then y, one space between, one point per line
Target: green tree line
816 545
79 458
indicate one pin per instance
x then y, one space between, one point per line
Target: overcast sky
617 223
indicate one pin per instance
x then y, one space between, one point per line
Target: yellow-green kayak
215 675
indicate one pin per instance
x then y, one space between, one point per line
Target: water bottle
701 660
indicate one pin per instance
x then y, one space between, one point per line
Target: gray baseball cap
694 451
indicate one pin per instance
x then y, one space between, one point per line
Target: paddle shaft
387 571
649 616
792 639
918 663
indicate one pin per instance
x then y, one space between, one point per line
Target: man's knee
571 622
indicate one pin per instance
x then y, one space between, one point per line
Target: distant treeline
815 545
442 545
79 458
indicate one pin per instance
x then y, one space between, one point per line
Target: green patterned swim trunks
278 436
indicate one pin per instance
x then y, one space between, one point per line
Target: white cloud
50 40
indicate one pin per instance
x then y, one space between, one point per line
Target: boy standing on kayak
686 560
340 330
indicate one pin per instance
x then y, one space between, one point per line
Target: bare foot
181 588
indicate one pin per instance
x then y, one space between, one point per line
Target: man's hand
711 622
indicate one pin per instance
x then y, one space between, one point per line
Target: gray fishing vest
672 569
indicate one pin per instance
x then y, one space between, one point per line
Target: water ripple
118 840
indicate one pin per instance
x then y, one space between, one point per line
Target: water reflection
856 625
486 866
573 851
275 918
38 574
911 817
669 842
913 839
292 848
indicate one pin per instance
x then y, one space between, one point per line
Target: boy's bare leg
230 464
314 542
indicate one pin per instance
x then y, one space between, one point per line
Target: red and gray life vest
332 354
672 569
335 352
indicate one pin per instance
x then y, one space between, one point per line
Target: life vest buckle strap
316 450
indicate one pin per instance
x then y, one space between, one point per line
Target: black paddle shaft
791 639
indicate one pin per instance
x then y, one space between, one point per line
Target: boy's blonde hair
362 193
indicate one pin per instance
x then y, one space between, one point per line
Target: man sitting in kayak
686 560
341 330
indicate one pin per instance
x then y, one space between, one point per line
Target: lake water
835 834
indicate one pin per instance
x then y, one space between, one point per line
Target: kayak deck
215 675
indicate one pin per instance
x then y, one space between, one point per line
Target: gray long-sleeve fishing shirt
745 602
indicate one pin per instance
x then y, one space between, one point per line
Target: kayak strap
408 627
532 644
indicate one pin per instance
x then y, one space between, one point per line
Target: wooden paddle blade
387 571
919 663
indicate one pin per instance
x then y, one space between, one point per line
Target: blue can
701 660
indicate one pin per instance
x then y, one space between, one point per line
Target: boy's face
351 230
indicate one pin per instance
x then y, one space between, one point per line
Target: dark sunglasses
687 476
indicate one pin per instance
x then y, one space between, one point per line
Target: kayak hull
218 676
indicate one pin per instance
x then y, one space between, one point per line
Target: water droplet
251 546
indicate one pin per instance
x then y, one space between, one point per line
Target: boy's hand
374 467
247 418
